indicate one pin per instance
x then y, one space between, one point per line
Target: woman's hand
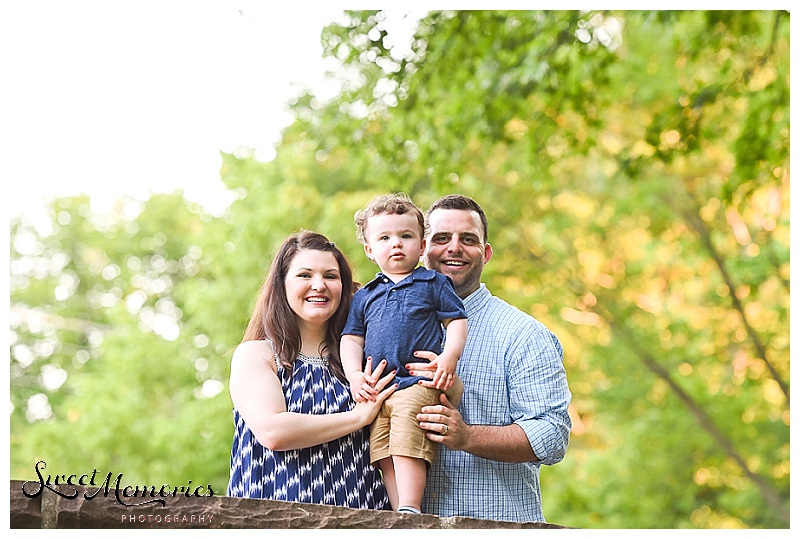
362 383
360 387
369 409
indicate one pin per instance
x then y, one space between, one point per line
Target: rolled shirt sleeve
538 391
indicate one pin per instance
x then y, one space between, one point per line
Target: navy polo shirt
396 319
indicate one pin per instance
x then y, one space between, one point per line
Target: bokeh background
634 167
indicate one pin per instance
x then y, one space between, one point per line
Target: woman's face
313 286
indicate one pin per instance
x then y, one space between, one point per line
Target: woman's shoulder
254 352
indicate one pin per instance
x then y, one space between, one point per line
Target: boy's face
394 242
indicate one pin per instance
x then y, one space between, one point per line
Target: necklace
314 360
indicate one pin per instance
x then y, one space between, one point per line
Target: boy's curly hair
398 203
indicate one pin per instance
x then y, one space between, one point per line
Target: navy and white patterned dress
334 473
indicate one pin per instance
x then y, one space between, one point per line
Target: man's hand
444 424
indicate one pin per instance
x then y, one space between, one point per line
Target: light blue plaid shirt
513 372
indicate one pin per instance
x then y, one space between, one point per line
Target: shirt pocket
417 303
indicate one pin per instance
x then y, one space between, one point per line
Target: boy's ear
368 252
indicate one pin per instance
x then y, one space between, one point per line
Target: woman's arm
258 396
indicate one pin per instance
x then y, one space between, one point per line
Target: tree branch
769 493
699 226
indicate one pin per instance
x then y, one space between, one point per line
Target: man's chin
455 276
460 284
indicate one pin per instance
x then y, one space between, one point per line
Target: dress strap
274 353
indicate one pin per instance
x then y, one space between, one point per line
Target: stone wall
103 510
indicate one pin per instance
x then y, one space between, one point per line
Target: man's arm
539 399
507 443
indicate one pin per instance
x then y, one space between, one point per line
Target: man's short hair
460 202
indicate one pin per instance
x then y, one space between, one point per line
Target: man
513 416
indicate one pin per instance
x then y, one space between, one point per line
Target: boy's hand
428 370
359 386
445 373
362 384
443 380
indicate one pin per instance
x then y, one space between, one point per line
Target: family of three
420 391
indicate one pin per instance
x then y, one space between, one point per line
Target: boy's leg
379 450
389 480
409 477
410 450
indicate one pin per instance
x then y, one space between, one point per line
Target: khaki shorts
396 430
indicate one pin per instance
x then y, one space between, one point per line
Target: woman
299 436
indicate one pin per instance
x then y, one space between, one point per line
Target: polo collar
420 273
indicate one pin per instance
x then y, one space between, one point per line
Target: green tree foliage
634 169
107 373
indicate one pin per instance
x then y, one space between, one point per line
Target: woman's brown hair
272 317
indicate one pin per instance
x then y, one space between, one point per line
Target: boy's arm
455 392
453 347
428 368
351 349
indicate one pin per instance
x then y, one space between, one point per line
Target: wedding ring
446 428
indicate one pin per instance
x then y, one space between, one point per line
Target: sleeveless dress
334 473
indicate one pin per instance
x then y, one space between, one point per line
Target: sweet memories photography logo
109 485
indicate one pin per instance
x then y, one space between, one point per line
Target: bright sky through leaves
142 97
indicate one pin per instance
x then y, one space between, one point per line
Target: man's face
456 249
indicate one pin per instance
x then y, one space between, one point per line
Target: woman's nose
318 284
